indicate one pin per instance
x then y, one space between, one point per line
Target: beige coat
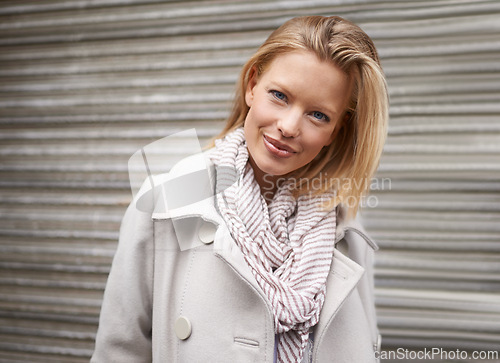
183 263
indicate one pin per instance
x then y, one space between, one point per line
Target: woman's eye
279 95
320 116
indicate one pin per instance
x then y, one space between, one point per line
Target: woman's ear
252 82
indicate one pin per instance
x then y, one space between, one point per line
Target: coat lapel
226 249
343 278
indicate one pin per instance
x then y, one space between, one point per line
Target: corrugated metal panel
84 84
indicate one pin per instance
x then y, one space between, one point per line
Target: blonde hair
349 162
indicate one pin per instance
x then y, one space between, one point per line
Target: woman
284 272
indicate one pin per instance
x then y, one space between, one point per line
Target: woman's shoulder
352 231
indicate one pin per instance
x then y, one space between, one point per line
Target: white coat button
182 328
206 232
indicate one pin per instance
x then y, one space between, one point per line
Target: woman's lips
277 148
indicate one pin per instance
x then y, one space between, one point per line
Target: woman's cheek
265 113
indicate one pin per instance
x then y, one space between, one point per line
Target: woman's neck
267 182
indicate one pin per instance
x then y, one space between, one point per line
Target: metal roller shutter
84 84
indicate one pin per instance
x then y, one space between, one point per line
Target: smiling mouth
277 148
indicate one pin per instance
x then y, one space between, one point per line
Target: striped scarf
287 244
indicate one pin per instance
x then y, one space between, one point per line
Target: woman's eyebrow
275 84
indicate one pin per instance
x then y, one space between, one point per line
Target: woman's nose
289 123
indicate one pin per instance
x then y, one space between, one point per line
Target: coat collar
188 191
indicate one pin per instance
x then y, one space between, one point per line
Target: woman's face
295 110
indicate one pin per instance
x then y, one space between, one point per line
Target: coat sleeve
124 333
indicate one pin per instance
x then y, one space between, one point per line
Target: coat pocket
246 342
